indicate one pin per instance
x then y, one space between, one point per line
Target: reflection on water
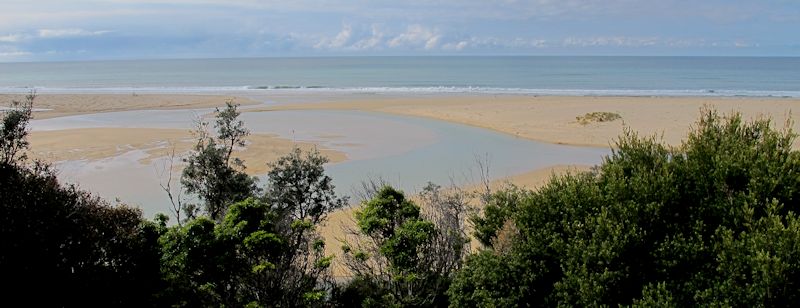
405 151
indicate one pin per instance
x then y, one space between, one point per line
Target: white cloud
12 52
612 41
11 38
354 39
457 46
341 39
416 36
374 41
62 33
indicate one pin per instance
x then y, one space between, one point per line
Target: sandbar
553 119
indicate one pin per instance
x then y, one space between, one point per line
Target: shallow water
405 151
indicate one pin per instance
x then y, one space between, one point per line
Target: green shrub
711 223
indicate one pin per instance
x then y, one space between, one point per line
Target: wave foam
408 90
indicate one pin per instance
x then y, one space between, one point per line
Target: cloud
456 46
341 40
12 52
616 41
373 42
416 36
352 38
64 33
239 28
11 38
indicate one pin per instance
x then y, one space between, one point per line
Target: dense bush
710 223
265 251
75 248
60 246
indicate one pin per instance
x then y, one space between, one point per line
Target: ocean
535 75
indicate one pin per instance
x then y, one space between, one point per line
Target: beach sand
99 143
58 105
549 119
552 119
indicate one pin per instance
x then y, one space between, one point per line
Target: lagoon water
405 151
629 76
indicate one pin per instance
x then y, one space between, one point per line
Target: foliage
710 223
210 264
265 251
488 280
60 241
408 259
211 173
13 131
302 196
499 208
230 130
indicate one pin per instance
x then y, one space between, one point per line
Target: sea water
534 75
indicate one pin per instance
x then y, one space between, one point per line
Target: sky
64 30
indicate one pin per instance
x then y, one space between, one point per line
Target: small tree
230 131
265 251
14 130
302 196
404 256
211 173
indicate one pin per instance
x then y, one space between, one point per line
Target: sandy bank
553 118
57 105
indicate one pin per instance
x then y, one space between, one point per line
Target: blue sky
53 30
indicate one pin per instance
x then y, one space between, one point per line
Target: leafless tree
176 200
